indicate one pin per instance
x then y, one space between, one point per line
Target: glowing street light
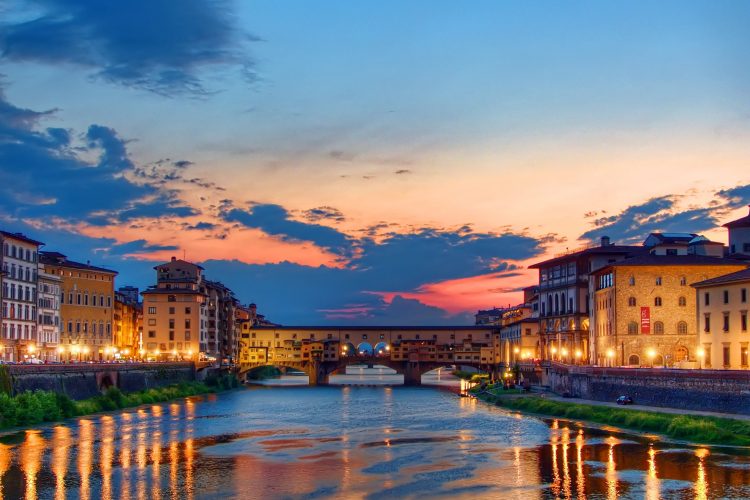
651 353
31 348
553 350
579 354
564 352
611 356
701 352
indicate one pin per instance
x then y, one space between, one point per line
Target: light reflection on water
351 442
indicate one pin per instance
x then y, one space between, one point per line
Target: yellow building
722 309
86 307
127 331
644 312
174 313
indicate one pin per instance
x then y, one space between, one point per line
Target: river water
351 442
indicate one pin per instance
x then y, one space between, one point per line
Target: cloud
633 224
402 171
202 226
737 196
57 178
161 46
139 247
323 213
275 220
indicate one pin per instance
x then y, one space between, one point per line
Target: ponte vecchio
321 351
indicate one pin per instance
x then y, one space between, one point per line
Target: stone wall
725 391
81 381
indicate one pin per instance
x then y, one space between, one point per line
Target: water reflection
351 442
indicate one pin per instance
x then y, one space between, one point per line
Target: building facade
19 265
644 312
49 288
175 313
128 330
721 315
86 307
565 298
739 236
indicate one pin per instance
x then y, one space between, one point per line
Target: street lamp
701 352
564 353
651 353
579 354
553 350
611 356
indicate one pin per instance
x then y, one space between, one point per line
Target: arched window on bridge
365 349
381 349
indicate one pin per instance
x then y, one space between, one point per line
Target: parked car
624 400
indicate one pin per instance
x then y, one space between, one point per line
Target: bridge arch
381 349
365 349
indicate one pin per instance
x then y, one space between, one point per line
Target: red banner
645 320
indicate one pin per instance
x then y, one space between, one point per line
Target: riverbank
692 428
31 408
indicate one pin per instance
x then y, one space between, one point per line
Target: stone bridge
319 371
85 380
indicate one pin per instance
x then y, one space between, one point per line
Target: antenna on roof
184 254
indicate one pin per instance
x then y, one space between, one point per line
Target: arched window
631 301
657 301
631 281
632 328
682 301
683 281
634 360
658 281
557 303
562 303
658 328
682 328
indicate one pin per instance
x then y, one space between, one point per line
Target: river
351 442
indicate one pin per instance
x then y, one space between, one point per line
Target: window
171 335
726 322
743 354
187 323
658 281
743 321
152 334
152 310
171 298
631 301
671 251
632 328
682 328
707 323
683 281
726 353
171 310
707 299
658 328
657 301
726 296
743 295
187 310
631 281
682 301
109 301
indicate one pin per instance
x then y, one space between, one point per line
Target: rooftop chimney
174 258
605 241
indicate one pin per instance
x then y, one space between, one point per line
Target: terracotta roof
58 259
21 237
742 222
676 260
743 275
597 250
178 261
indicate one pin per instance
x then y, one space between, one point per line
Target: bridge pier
317 373
412 373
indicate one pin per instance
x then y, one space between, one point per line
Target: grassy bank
31 408
694 428
471 376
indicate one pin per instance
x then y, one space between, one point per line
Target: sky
373 162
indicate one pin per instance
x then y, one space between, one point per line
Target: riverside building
564 298
18 315
644 310
86 307
721 313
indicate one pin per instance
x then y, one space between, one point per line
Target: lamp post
564 354
553 350
701 352
516 350
651 353
611 356
579 355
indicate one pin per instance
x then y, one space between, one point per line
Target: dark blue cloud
736 196
43 175
138 246
202 226
162 46
274 220
633 224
